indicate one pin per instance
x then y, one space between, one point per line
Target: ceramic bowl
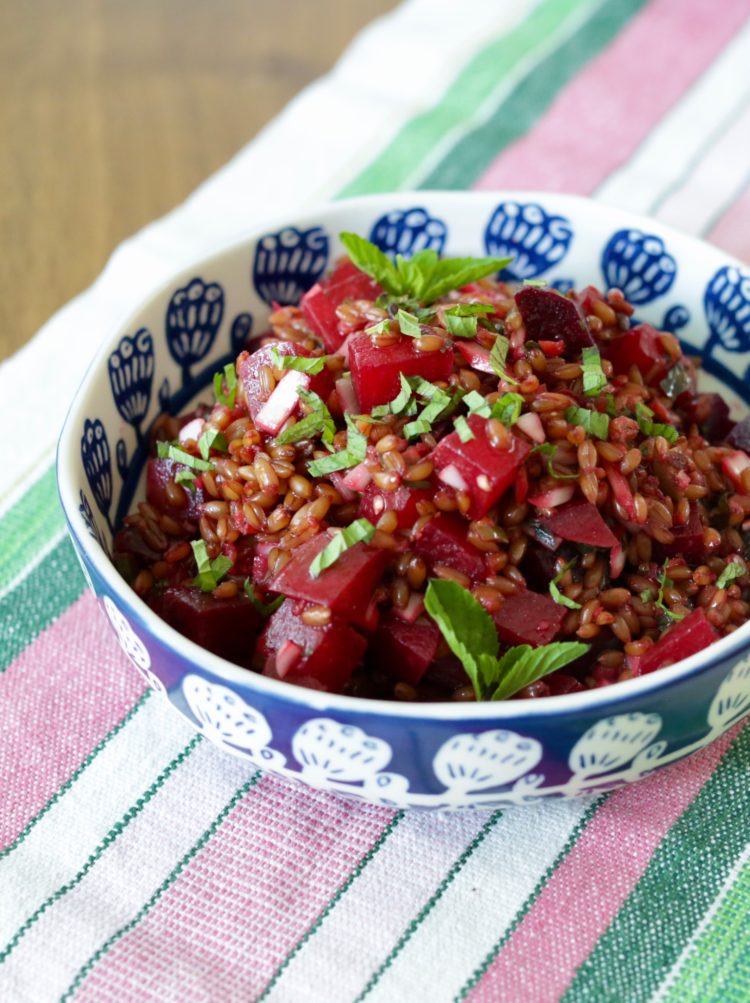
438 756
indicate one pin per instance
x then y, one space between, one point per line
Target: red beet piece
329 654
560 682
248 367
442 540
549 316
405 650
529 618
710 413
688 539
346 587
319 304
685 638
580 522
486 472
227 627
403 501
158 473
376 371
640 347
476 356
739 437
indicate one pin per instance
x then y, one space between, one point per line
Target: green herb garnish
300 363
360 531
408 324
470 634
498 359
355 452
424 277
460 326
594 378
186 478
549 450
228 378
535 283
666 583
210 573
559 596
212 438
731 571
265 609
168 451
644 416
594 422
461 425
477 404
318 423
508 409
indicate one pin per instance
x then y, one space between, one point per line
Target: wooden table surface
112 111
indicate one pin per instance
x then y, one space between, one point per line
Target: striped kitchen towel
136 861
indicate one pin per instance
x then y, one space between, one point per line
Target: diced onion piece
192 430
358 477
413 609
616 561
621 490
287 657
282 403
531 424
451 476
347 396
338 481
476 356
553 497
734 464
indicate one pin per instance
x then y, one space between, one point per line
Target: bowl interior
164 356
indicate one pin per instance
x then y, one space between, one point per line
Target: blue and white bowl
454 755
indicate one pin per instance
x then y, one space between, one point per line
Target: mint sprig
425 276
470 633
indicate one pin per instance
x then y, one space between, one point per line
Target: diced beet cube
549 316
485 472
528 618
403 501
685 638
376 371
560 682
580 522
158 473
327 655
538 566
640 347
688 540
227 627
710 412
319 304
248 368
442 540
739 437
405 650
346 587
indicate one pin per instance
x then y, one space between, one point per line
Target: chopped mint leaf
229 379
361 530
646 596
535 283
731 571
594 378
477 404
355 452
461 425
212 438
380 328
498 359
460 327
168 451
408 324
666 583
417 427
318 423
594 422
508 409
644 416
559 596
470 310
299 362
265 609
210 572
186 478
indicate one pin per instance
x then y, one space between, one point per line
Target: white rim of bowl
600 698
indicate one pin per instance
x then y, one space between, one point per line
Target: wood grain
112 111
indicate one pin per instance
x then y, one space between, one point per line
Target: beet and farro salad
425 483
